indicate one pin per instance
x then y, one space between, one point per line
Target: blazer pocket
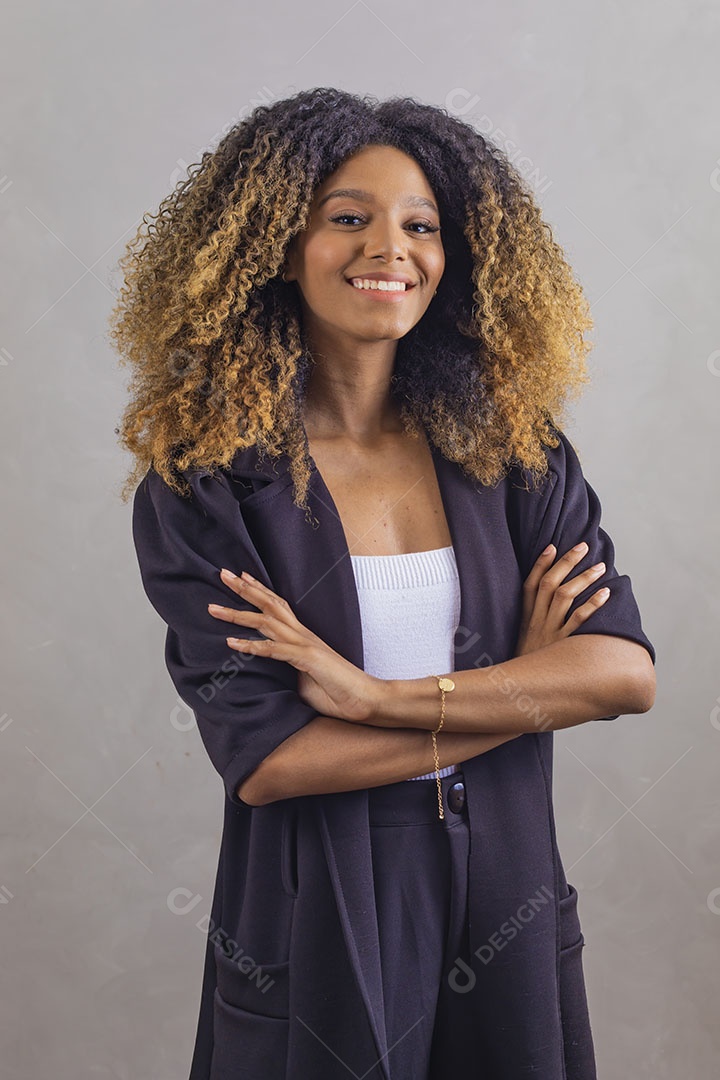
259 989
246 1046
250 1039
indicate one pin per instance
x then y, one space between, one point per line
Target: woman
380 695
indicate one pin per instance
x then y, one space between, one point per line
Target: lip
383 296
377 275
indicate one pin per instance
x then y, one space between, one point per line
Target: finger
556 574
548 603
552 575
238 581
258 594
219 612
562 567
229 578
271 606
566 592
544 559
261 596
268 625
276 650
586 610
235 580
530 585
236 615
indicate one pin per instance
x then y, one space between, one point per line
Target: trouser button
456 797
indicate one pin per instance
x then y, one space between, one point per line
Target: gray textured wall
108 799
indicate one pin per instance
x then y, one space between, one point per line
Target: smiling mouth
377 285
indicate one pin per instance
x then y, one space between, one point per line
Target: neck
348 395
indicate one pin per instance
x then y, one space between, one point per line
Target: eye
427 225
340 217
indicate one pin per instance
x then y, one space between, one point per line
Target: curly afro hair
215 339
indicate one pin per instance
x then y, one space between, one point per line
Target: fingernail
248 577
580 547
228 573
603 592
547 550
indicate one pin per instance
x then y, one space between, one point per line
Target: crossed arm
565 683
562 684
337 728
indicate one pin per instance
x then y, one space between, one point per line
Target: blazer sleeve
244 705
569 513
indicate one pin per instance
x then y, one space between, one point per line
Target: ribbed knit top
410 610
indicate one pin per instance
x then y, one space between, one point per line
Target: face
385 225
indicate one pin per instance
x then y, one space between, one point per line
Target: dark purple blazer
292 982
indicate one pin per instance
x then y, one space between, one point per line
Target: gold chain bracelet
445 684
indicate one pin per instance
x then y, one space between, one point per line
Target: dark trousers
420 866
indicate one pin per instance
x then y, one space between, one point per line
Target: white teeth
383 286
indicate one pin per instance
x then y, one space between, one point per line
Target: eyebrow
356 193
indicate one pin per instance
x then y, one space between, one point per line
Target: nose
386 239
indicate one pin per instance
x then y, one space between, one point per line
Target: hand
326 681
546 601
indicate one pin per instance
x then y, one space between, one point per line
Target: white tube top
410 610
